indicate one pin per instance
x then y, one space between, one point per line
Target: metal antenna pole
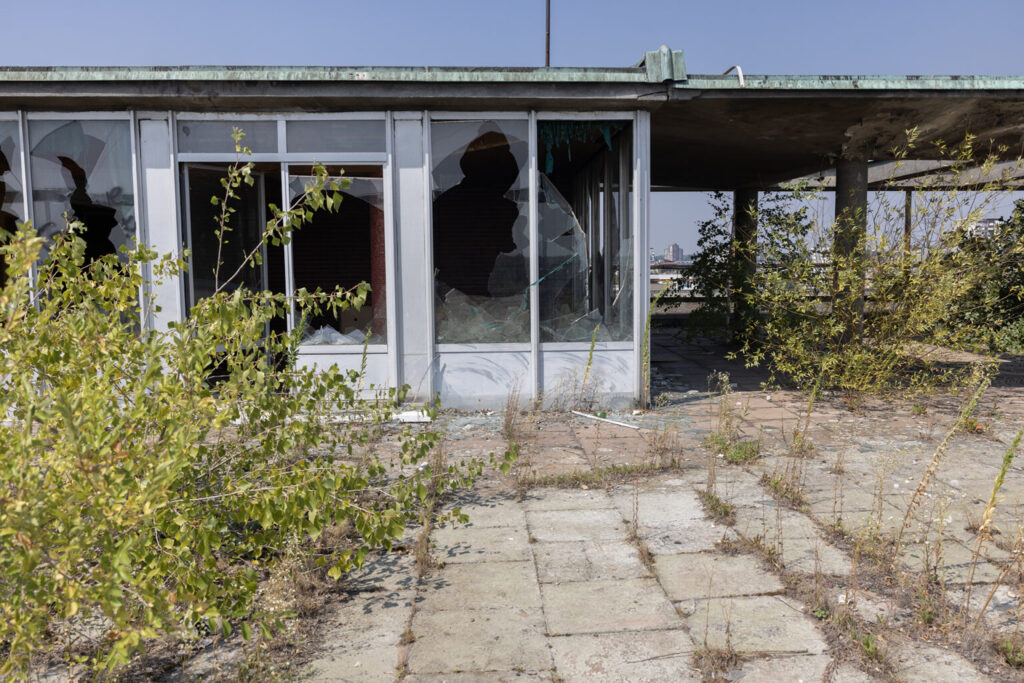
547 33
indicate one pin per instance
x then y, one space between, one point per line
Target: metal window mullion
594 217
141 234
285 116
261 195
285 157
187 237
390 250
537 387
289 270
172 132
26 193
641 189
607 209
79 116
591 115
428 254
478 115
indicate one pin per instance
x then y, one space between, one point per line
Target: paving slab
361 633
848 673
693 576
366 664
363 647
807 556
636 656
772 624
485 544
477 641
660 508
605 606
494 513
794 669
670 539
485 585
956 563
770 522
567 499
560 526
588 561
916 663
480 676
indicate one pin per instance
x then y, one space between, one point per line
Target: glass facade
82 170
585 228
11 189
480 173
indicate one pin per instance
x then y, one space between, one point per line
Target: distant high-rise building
673 253
984 228
653 258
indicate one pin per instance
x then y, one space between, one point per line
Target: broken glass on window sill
328 336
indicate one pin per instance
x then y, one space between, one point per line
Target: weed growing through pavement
726 440
720 510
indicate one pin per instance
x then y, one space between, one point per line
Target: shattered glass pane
84 169
11 207
481 231
318 137
215 136
586 255
343 249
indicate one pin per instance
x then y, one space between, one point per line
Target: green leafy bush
991 312
875 317
138 498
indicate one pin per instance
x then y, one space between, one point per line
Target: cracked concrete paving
553 587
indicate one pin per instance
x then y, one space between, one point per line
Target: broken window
84 169
586 237
343 249
481 231
216 136
11 207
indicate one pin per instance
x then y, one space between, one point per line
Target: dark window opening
343 249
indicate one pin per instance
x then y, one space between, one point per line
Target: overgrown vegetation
149 478
726 441
876 309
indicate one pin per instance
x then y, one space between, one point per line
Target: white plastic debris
412 417
603 419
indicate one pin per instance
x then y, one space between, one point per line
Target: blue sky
869 36
766 36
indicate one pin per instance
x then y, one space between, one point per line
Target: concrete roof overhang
773 130
708 132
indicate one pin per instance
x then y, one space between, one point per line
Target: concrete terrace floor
582 578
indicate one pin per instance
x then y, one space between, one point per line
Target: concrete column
744 232
851 230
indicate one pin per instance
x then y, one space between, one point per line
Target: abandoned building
499 214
